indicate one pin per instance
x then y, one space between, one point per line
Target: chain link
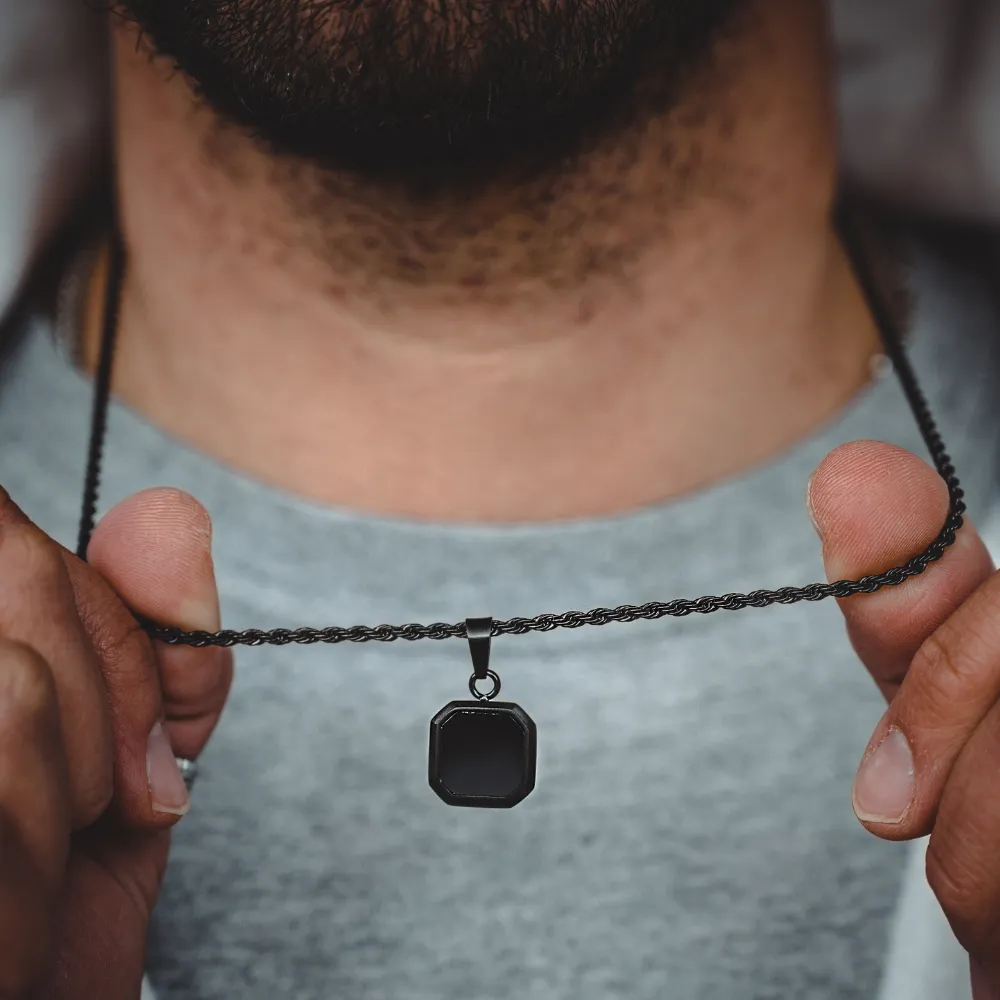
570 619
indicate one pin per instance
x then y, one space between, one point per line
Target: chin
382 85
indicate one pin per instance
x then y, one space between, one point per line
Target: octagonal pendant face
482 754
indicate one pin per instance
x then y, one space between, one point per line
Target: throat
616 418
665 308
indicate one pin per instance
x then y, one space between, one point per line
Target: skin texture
85 838
295 319
932 645
671 267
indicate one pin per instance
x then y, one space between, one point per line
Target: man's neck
664 310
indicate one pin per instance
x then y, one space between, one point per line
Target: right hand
88 787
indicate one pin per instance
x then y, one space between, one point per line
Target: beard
398 86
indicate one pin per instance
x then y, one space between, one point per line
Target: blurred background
918 87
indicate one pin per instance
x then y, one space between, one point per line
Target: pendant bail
480 631
482 753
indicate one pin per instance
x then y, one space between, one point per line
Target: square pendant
482 754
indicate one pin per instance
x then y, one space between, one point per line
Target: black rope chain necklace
483 752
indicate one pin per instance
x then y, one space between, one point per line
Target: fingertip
160 509
875 505
155 550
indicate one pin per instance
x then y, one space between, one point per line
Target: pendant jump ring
489 695
479 631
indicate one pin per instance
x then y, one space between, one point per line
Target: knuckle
32 552
949 670
940 662
946 671
951 887
959 889
26 682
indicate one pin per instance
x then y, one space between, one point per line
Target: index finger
38 608
113 662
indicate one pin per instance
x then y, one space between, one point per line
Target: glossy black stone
482 754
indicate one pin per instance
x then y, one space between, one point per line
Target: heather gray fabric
691 835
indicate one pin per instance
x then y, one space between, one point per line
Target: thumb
876 506
155 550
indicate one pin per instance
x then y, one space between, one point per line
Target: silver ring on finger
189 771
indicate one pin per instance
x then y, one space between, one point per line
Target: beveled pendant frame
483 753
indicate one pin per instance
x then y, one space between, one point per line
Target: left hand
932 646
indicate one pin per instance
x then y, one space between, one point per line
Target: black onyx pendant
482 752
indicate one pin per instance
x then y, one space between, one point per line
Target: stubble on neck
673 267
